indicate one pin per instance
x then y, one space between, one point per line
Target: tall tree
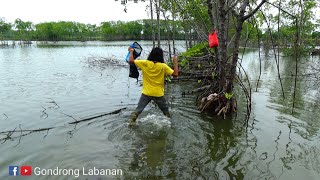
23 27
222 13
152 2
152 25
157 3
4 28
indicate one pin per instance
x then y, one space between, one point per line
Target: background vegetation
70 31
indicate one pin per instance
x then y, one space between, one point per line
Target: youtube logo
25 170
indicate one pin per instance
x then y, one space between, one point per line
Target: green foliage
299 18
316 37
24 29
184 62
249 32
4 27
228 95
62 31
197 50
67 30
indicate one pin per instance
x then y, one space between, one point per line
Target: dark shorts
160 101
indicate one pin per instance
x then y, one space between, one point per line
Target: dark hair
156 55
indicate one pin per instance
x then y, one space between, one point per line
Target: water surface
48 86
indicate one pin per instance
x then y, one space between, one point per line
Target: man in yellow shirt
154 71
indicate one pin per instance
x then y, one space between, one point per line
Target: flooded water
49 86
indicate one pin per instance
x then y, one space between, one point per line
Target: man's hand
175 60
131 59
175 66
130 49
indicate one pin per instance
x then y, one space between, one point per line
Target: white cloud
85 11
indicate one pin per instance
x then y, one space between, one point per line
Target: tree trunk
236 46
210 8
168 34
158 19
190 37
222 101
152 25
222 51
185 33
173 29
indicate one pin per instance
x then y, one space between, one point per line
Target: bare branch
56 106
70 116
280 9
19 136
233 5
44 114
254 11
46 134
9 134
101 115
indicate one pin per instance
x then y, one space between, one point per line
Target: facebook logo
13 170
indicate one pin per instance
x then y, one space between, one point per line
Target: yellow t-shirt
153 77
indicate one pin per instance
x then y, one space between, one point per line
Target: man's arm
131 59
175 66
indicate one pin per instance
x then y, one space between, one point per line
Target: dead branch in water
70 116
9 134
27 130
44 114
101 115
56 106
20 136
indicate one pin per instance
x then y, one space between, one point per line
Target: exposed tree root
217 104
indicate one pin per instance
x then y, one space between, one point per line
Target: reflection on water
50 87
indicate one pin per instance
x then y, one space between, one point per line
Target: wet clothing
160 101
153 77
153 86
144 101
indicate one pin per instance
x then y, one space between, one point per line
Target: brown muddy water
48 86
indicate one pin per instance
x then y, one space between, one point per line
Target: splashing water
156 120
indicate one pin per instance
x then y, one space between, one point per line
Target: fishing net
134 73
137 50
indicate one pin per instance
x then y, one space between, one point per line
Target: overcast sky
84 11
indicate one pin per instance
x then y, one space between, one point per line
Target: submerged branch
27 130
9 134
101 115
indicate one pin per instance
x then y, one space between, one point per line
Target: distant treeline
135 30
106 31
